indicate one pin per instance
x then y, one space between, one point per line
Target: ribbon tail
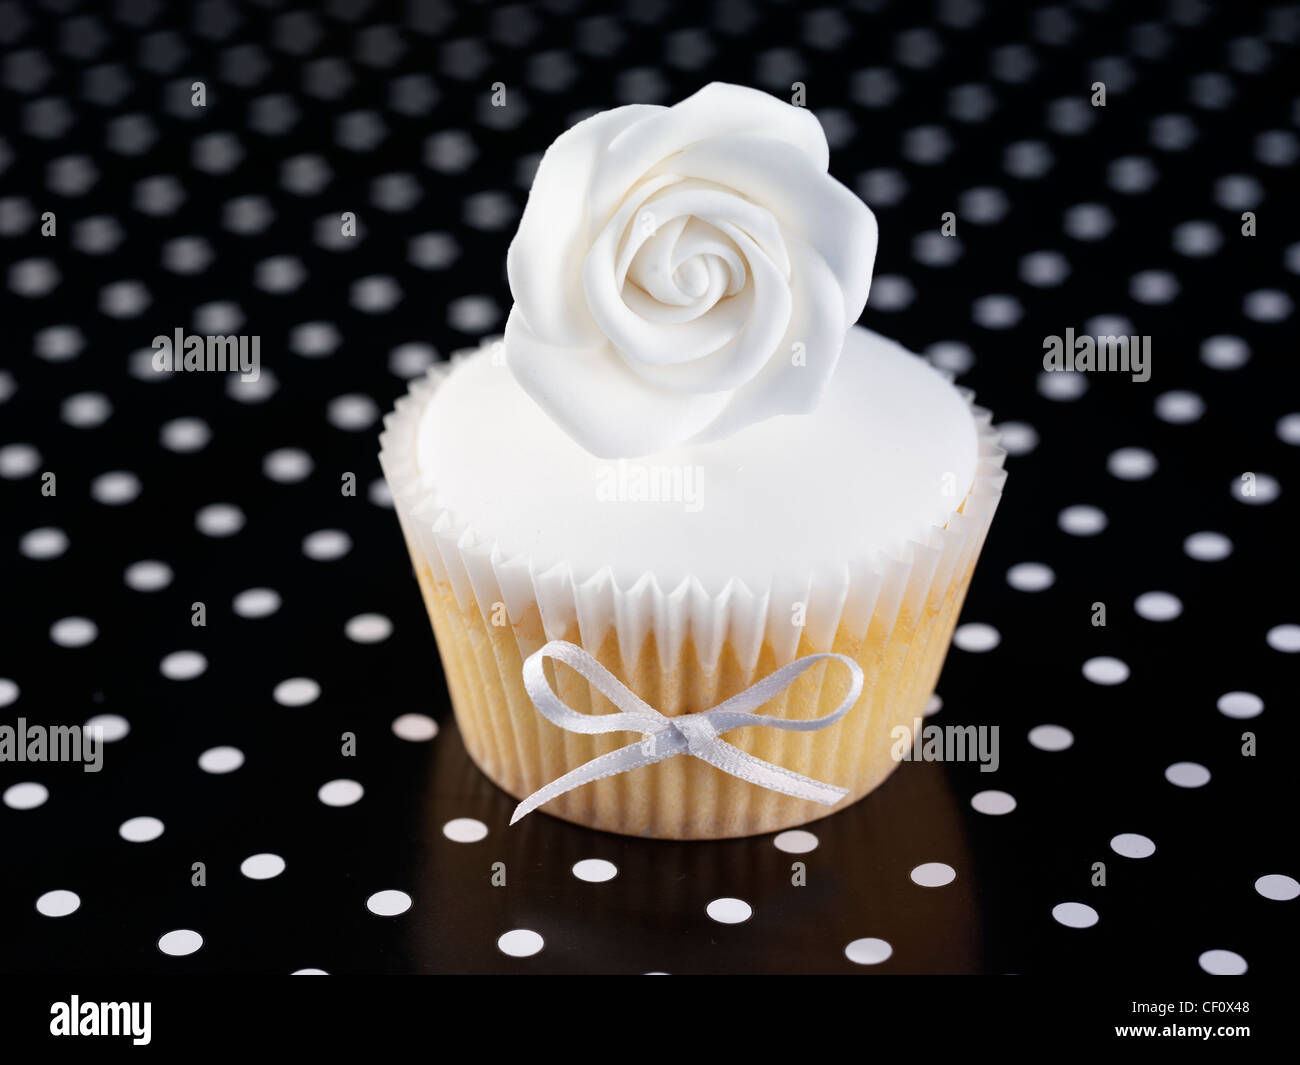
722 755
633 756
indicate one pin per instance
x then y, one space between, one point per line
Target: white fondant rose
682 272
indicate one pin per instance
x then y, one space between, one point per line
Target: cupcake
693 543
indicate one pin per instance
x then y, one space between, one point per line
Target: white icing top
682 272
890 452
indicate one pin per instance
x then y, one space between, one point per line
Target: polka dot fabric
208 570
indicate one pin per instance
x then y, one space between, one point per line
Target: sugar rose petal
680 273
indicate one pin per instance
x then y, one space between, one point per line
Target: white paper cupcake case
583 596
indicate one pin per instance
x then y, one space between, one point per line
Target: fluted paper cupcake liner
684 649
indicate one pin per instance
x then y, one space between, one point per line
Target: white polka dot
33 277
933 874
891 292
185 435
124 299
1105 670
1179 407
1284 638
58 903
296 691
148 575
1255 489
262 866
996 311
934 249
221 759
933 705
219 317
140 829
340 793
1158 606
1278 886
1267 305
1044 269
1240 705
951 355
9 692
1018 438
1131 463
595 870
183 665
219 520
25 796
352 412
1082 520
993 803
180 942
256 391
115 489
287 465
869 951
1207 546
1225 352
1088 221
1187 775
1277 147
1153 287
309 972
314 340
375 295
1197 239
1061 386
1030 577
1238 193
112 727
520 943
729 911
86 410
1051 737
1132 845
983 205
796 841
976 636
325 545
380 494
464 830
368 628
1100 325
46 542
1075 915
256 602
59 343
415 728
411 359
1131 175
1173 133
1288 429
1027 160
74 632
1222 963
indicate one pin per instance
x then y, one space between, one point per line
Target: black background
560 61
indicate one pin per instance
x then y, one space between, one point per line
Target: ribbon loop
698 735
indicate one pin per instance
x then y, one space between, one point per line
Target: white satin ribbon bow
695 734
